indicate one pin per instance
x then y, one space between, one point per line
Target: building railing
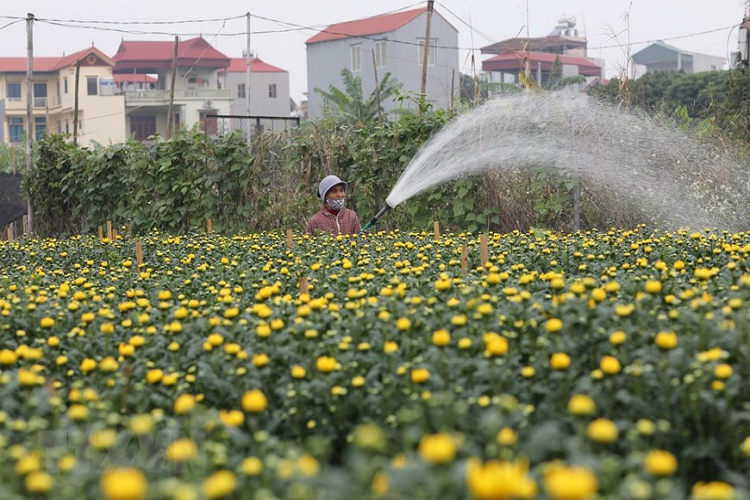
162 96
37 102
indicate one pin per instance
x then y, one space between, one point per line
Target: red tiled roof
131 78
49 64
515 61
239 65
18 64
149 55
370 26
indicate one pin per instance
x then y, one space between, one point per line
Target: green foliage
732 116
172 185
663 92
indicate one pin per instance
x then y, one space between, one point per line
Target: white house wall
260 102
325 60
703 62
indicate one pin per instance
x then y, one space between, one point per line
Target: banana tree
350 105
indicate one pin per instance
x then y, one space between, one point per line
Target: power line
467 24
94 24
688 35
10 24
79 21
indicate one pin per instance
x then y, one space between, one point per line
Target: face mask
335 204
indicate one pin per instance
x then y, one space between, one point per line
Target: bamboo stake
436 228
304 287
484 251
101 233
464 259
139 252
10 233
109 230
289 235
209 228
25 224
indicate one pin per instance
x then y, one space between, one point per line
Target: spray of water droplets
668 176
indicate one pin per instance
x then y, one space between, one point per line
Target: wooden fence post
484 251
209 227
139 252
304 287
464 259
289 241
109 230
436 228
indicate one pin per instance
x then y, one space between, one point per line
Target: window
59 127
357 57
92 87
272 91
40 127
241 91
40 95
40 90
379 49
67 127
65 84
16 130
431 54
14 91
177 121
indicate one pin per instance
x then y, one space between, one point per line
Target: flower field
597 365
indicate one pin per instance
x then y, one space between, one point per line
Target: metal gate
249 125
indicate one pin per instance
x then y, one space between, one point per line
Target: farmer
333 218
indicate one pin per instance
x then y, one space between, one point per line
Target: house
391 43
269 88
197 91
538 55
100 112
660 56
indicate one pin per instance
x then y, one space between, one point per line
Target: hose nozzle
378 215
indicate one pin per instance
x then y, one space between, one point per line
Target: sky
702 26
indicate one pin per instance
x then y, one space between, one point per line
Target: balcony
16 103
161 97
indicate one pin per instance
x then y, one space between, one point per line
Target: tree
349 104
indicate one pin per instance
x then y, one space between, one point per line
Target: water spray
378 215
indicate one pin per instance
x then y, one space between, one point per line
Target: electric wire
94 24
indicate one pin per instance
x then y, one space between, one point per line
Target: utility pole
423 89
527 63
170 112
75 104
377 90
29 103
249 69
